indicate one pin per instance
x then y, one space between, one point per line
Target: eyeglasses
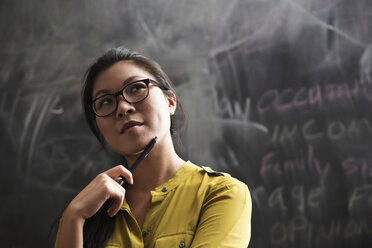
132 93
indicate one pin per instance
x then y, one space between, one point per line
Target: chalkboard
278 93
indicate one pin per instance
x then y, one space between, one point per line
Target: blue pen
140 158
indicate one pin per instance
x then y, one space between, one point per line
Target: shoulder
216 183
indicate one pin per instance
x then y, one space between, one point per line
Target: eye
104 102
136 88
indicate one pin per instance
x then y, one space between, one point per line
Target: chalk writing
316 233
311 97
360 197
272 167
318 230
335 131
232 109
360 169
300 200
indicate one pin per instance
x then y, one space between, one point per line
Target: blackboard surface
277 93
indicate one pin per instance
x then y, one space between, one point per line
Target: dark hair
99 227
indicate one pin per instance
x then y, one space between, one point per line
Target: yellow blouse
196 208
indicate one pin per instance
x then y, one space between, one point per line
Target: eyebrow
127 81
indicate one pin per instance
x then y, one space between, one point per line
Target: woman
166 202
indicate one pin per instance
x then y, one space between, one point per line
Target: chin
132 148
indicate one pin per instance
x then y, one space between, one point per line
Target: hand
98 191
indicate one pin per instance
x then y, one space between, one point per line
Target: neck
159 166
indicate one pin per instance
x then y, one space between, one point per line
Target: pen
143 155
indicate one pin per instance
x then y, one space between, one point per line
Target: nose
124 108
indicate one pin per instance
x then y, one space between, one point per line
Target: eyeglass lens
132 93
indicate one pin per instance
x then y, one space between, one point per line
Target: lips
128 125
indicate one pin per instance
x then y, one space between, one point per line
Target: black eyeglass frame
147 81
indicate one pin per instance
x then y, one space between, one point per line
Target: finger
121 180
118 200
119 171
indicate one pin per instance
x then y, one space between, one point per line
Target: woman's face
146 119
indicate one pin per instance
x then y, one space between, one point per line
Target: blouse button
164 189
145 233
182 244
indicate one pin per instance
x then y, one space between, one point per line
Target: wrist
72 215
70 231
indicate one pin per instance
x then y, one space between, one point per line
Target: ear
172 103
